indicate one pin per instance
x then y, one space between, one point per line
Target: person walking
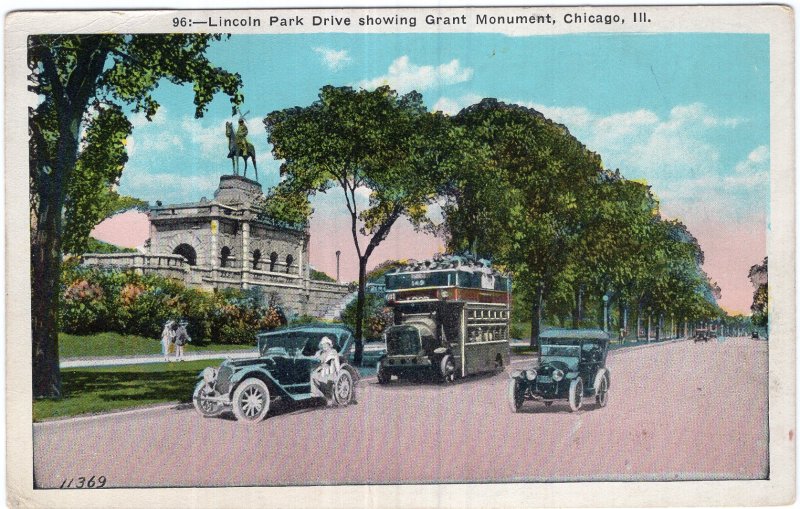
180 340
167 337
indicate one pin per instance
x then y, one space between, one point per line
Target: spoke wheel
251 401
576 394
343 388
601 393
203 406
516 394
448 369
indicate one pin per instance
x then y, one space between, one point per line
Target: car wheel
601 389
576 394
343 388
251 401
383 376
448 369
203 406
516 394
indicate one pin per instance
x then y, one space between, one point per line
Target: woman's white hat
325 339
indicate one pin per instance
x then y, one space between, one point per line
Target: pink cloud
127 229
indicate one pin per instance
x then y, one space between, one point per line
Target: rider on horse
241 137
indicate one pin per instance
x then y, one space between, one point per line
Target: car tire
251 401
383 377
204 407
576 394
601 386
447 369
516 394
343 388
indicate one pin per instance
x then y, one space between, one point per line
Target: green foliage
376 316
126 302
759 278
317 275
98 246
382 268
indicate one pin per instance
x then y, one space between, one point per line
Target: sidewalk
88 362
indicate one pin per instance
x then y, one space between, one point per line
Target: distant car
283 369
754 335
701 335
712 334
572 366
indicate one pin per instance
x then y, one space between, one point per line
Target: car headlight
530 375
210 375
558 375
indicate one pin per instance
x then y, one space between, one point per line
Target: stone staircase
334 311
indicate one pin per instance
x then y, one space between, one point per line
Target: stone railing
164 265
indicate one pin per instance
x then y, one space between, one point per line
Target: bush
376 316
125 302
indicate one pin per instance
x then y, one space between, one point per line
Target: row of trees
513 186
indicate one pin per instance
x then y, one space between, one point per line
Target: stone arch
289 260
225 256
256 258
273 259
187 252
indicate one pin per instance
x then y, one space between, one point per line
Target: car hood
547 368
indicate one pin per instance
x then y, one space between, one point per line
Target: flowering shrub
126 302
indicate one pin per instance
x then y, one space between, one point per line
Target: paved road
676 411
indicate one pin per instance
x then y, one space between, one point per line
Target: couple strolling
174 337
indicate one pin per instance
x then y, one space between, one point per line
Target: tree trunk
536 316
362 283
575 310
639 321
45 272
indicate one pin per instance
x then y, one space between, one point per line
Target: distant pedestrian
180 339
167 338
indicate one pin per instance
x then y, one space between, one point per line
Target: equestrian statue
238 146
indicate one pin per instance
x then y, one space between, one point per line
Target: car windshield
566 351
295 343
402 340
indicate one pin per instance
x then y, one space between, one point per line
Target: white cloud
405 76
452 106
757 161
168 187
333 59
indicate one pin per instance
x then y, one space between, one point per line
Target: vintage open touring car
282 370
572 366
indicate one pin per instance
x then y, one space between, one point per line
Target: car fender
353 372
260 373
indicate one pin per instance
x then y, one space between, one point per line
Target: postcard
401 257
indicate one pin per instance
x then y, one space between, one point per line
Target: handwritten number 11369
83 482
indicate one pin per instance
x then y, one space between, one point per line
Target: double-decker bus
451 319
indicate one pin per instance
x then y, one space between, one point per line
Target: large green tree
528 202
85 83
758 276
376 142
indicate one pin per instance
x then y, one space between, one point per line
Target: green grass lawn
111 344
92 390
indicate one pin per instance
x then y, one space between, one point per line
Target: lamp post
649 317
605 313
338 253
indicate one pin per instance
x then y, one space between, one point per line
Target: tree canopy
356 143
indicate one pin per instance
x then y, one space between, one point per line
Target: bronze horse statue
234 152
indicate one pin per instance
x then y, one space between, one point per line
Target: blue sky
688 113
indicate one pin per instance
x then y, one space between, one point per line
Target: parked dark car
701 335
754 335
282 369
572 366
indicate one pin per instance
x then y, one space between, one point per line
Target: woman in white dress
324 375
167 335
